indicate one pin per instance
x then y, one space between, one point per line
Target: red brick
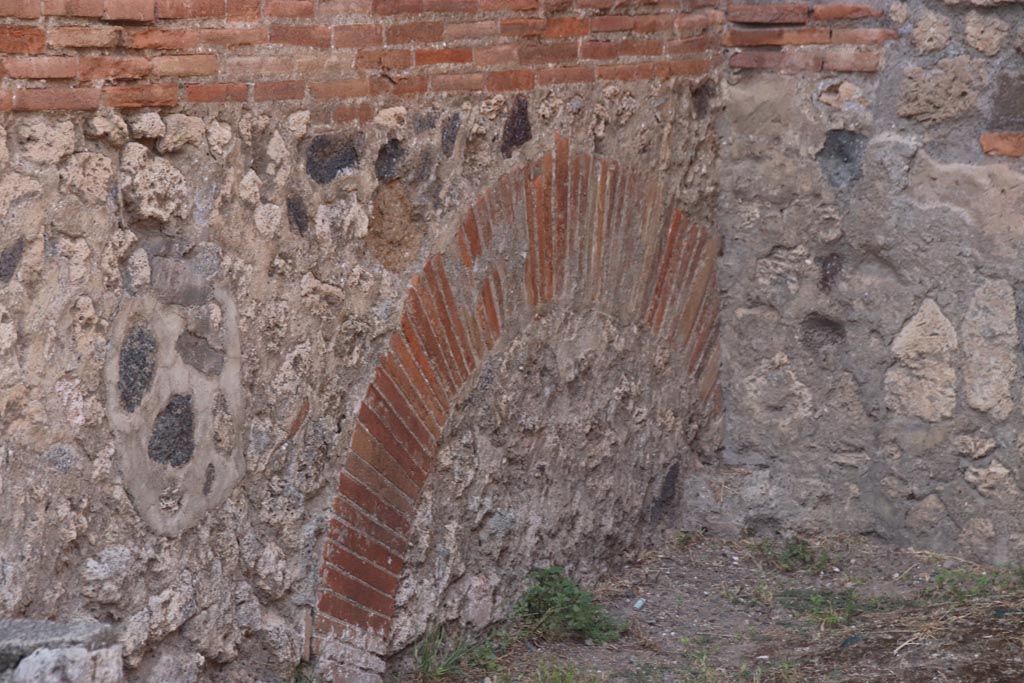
399 85
346 113
846 60
43 99
779 61
83 36
21 9
41 67
451 6
795 13
842 12
365 571
188 9
640 48
626 72
494 55
375 60
566 27
690 45
307 36
344 7
217 92
279 90
553 53
372 454
451 311
73 8
1003 144
419 395
185 65
469 30
611 23
691 24
654 23
457 82
327 90
365 545
368 500
113 68
389 404
358 592
504 81
288 8
437 313
444 56
388 432
129 10
568 74
348 613
360 519
522 27
864 36
421 375
682 67
6 100
414 32
358 35
243 10
23 40
141 95
599 50
508 5
777 36
397 6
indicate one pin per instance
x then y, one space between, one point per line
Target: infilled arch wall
567 229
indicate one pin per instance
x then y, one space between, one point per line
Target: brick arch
569 228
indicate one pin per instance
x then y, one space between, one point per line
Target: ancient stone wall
323 322
871 273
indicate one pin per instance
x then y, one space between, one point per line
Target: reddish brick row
589 227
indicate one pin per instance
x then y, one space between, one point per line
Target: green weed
793 554
557 608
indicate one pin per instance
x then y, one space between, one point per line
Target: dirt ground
791 611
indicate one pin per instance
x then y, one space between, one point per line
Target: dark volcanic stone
1008 102
422 121
209 478
841 156
389 158
329 155
450 133
10 257
136 367
298 214
831 267
172 441
702 96
818 331
517 128
198 353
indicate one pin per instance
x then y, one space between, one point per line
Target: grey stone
330 155
62 456
198 353
136 367
10 258
425 120
450 133
389 160
173 439
298 214
1007 112
517 130
831 268
21 637
841 155
186 282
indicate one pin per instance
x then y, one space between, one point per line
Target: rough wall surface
204 305
872 277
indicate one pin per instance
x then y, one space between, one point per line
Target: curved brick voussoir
568 229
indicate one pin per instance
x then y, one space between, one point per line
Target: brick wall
338 58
